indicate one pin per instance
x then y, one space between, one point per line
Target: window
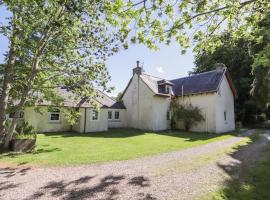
168 115
168 89
11 115
55 116
94 115
225 115
116 115
109 114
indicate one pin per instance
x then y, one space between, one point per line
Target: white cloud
160 70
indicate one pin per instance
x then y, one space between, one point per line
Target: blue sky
167 62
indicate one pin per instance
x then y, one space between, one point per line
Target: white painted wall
206 102
42 123
161 107
117 123
213 106
79 126
225 102
144 110
96 125
86 124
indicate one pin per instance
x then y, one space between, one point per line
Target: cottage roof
72 100
195 84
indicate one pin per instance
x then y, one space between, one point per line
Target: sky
166 63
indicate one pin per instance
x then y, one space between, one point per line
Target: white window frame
168 89
118 115
92 115
54 113
111 115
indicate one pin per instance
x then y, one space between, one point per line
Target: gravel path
185 174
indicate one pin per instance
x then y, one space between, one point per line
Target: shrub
189 114
25 131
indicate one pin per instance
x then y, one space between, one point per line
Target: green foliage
249 182
261 65
58 43
25 131
236 56
246 62
119 96
190 115
267 112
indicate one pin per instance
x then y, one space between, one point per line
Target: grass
248 182
58 149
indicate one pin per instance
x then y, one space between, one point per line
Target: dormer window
165 86
168 89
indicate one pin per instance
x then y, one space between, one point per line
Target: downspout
138 121
182 93
84 126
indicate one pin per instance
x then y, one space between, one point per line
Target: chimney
220 66
137 69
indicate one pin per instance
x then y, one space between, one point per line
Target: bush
25 131
189 114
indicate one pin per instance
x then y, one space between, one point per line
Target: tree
236 56
190 115
53 44
261 64
118 97
65 42
241 56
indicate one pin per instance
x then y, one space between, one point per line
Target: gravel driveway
185 174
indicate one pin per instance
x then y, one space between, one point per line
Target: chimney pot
138 63
137 69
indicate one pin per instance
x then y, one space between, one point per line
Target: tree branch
208 12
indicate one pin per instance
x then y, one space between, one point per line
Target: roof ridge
154 76
107 95
194 75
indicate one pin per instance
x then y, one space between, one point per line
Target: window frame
118 115
111 115
167 89
56 112
93 115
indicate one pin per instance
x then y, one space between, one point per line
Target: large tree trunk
13 125
21 104
8 76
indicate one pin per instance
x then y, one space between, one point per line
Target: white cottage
147 99
107 113
146 102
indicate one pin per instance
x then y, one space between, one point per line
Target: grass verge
249 182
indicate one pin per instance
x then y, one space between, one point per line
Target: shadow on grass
249 171
35 152
129 132
85 188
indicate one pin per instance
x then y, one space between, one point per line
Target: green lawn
248 182
54 149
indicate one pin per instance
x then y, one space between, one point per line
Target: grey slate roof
109 102
72 100
198 83
152 83
195 84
